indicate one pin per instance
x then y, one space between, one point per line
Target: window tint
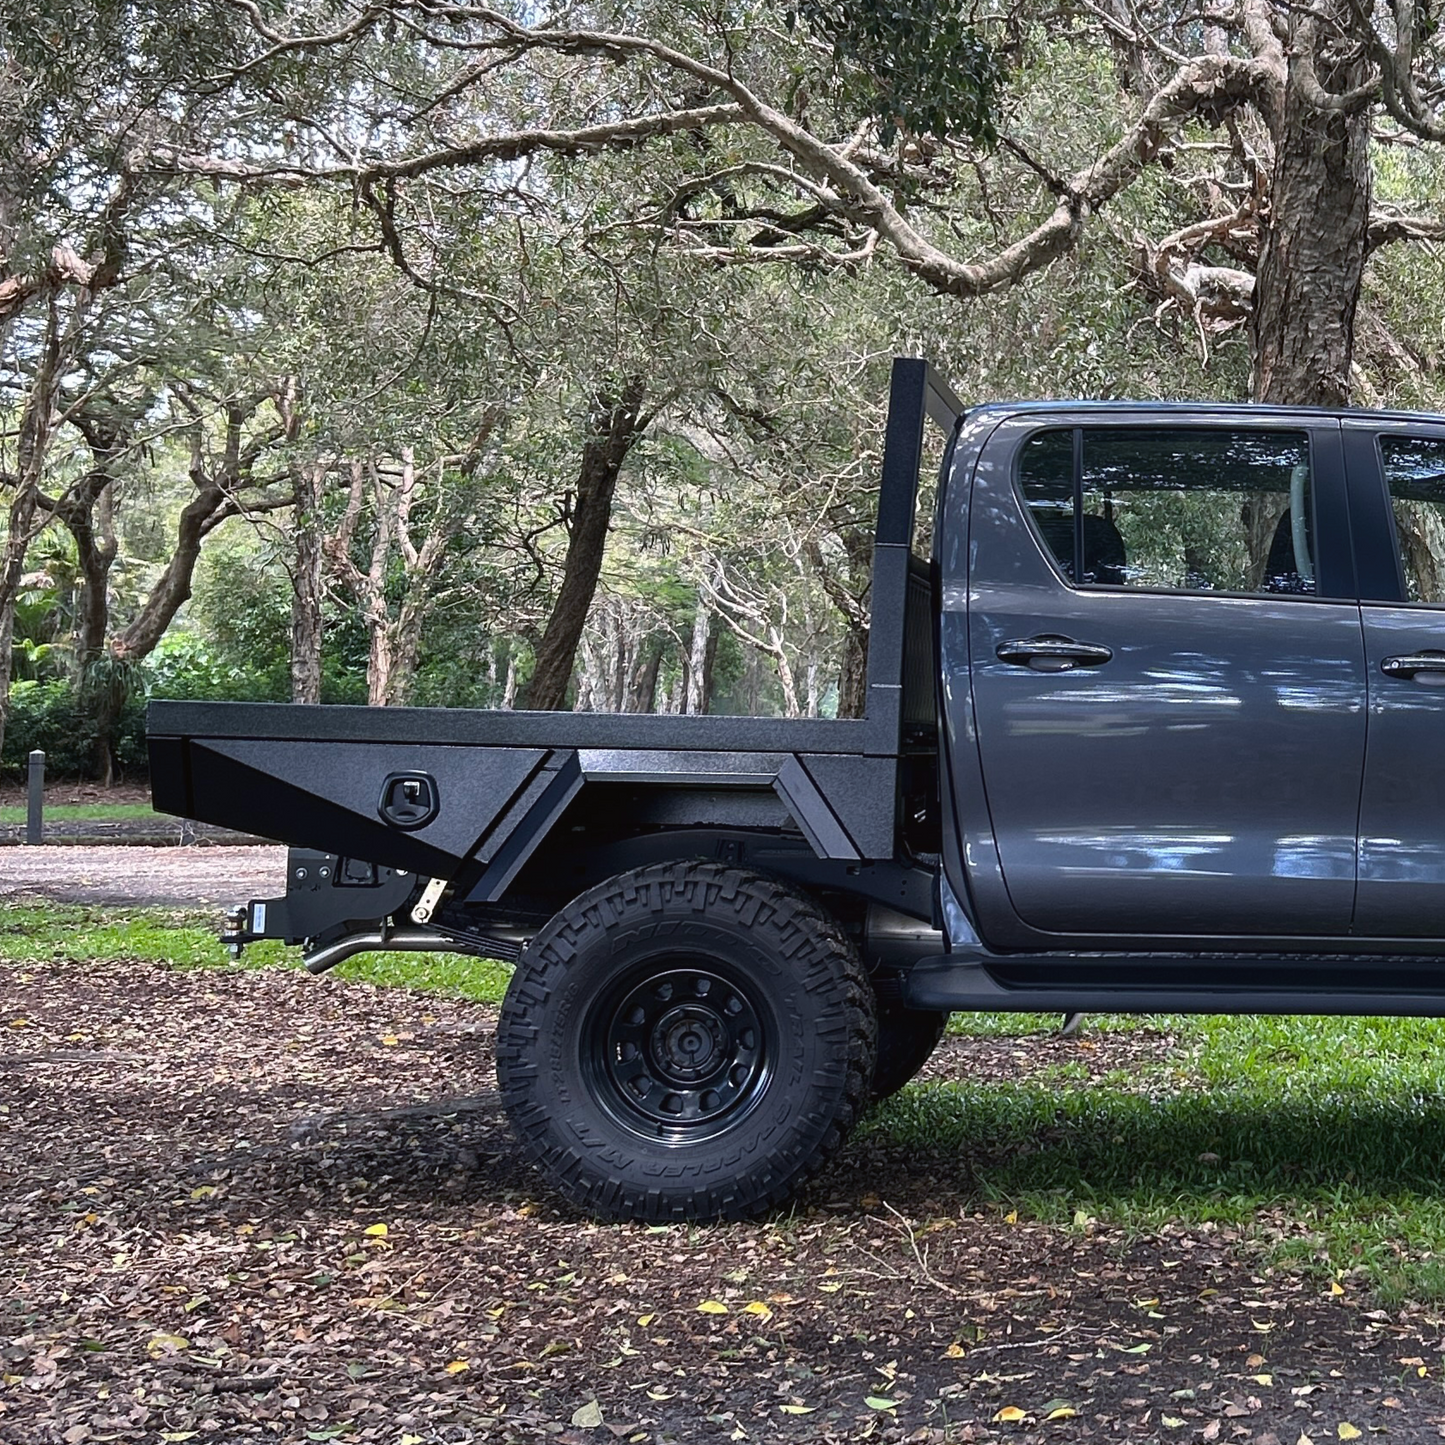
1046 479
1415 474
1174 508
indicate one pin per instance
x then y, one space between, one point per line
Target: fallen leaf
954 1352
1009 1415
1173 1422
588 1416
1262 1379
457 1366
390 1040
1064 1412
880 1402
757 1307
1012 1217
712 1307
377 1230
1336 1287
645 1320
1347 1431
797 1409
163 1344
1254 1362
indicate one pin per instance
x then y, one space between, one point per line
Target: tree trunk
12 564
1312 258
378 664
37 422
642 689
697 698
614 428
709 668
853 674
306 589
87 511
96 548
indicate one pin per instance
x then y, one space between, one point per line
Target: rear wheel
687 1041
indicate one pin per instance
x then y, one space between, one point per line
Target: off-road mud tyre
907 1038
685 1041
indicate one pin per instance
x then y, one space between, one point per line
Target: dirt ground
15 794
203 874
256 1205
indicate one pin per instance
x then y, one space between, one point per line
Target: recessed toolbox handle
409 800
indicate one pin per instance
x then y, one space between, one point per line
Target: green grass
1319 1143
85 813
187 939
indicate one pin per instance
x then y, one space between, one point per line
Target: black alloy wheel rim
679 1052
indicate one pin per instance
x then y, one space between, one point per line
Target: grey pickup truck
1155 721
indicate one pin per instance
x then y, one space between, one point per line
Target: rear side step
951 983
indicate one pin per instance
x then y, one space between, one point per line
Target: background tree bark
306 585
614 427
1312 260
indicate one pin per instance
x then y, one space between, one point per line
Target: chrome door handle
1053 653
1428 666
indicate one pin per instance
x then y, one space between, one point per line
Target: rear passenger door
1397 497
1168 678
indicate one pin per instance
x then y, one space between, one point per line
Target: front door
1402 804
1168 677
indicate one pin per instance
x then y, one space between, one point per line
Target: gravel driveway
204 875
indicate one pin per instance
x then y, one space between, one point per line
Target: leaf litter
236 1213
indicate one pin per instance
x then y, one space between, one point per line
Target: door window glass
1177 509
1415 474
1046 479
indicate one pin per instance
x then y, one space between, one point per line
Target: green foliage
912 65
37 625
50 716
186 665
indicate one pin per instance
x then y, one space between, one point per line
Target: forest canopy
433 353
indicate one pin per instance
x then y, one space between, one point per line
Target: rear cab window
1174 508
